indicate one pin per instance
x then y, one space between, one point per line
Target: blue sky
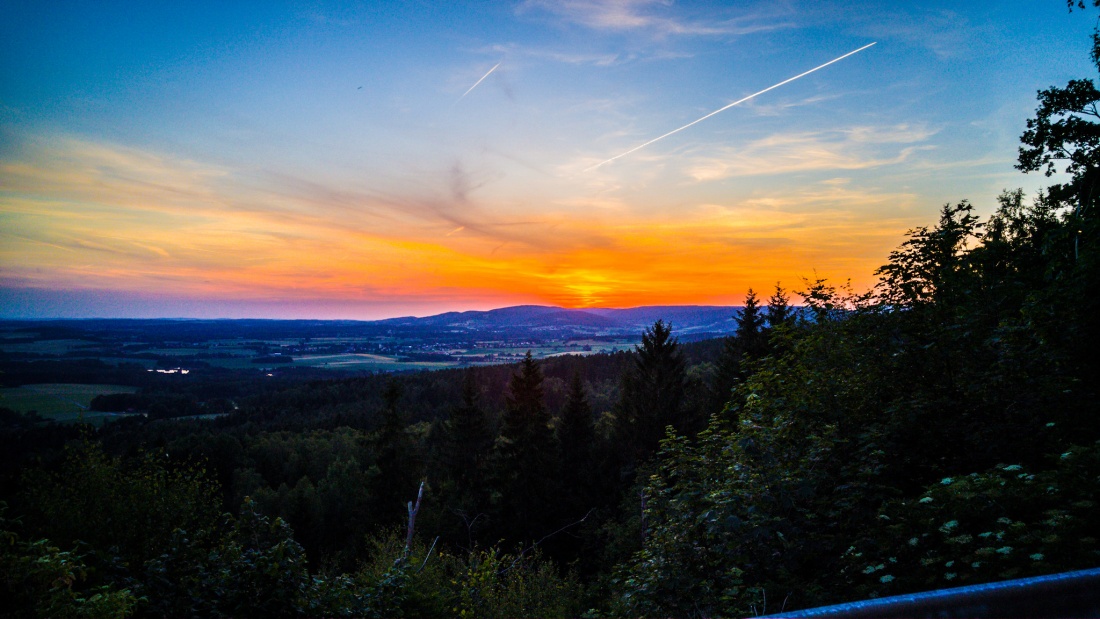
319 159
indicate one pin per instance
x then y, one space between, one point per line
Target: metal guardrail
1069 594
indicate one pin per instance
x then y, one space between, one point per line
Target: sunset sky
330 160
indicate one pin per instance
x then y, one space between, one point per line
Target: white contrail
479 81
755 94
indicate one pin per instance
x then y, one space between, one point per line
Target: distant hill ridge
684 318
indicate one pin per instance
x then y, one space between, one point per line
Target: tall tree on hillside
930 268
467 443
726 375
576 433
653 393
748 342
750 324
582 471
780 311
397 462
526 458
393 423
1065 131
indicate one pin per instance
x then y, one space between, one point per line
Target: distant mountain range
685 319
520 323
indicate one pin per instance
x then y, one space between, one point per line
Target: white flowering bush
1007 522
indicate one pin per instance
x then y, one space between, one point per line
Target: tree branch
428 556
413 511
544 538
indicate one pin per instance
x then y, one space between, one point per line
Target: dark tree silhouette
750 323
653 393
780 311
467 444
397 461
526 474
575 430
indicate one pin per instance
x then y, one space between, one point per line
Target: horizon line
227 318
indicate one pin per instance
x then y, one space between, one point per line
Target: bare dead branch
413 511
544 538
428 556
469 527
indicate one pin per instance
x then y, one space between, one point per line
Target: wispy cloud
944 32
82 215
851 149
128 209
573 57
784 105
655 16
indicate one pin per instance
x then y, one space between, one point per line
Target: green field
362 361
147 363
45 347
58 401
177 352
345 361
235 363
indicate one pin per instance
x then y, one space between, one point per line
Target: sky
378 159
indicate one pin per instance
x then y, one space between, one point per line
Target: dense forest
939 429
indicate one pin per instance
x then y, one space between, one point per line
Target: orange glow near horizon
84 216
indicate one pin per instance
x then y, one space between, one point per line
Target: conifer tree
582 473
397 460
525 412
575 430
748 342
749 325
526 471
392 422
726 375
653 393
467 445
780 311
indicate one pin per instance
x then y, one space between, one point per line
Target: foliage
461 472
526 459
750 326
576 431
496 584
780 312
958 361
1065 130
126 508
38 578
931 264
1007 522
424 581
653 393
730 518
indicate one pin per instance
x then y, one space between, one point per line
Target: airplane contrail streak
479 81
755 94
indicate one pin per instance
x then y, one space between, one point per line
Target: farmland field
45 347
58 401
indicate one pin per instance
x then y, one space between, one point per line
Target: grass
236 363
58 401
347 361
377 363
45 347
146 363
177 352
